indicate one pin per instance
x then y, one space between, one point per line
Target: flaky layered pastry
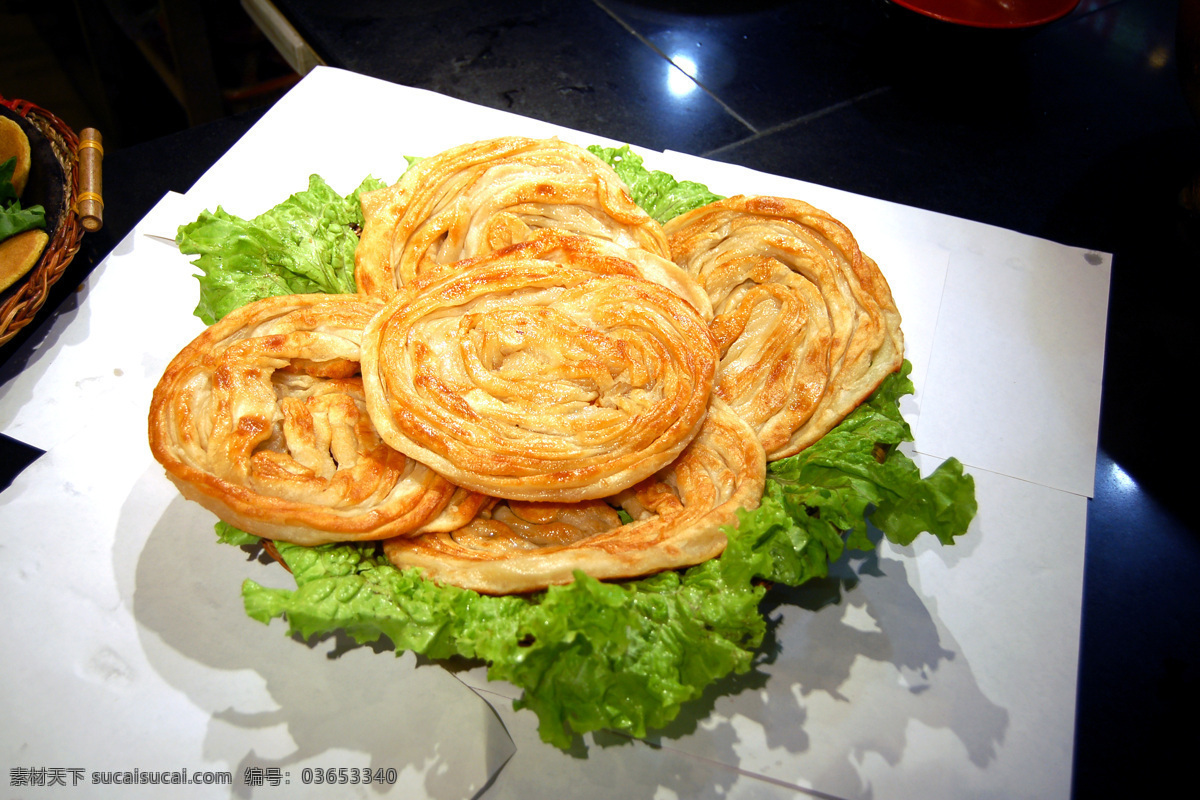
263 421
677 517
545 371
476 198
805 322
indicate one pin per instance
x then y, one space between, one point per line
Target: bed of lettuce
621 656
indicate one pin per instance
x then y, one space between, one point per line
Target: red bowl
992 13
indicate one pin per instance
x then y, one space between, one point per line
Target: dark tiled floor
989 111
109 65
769 65
566 60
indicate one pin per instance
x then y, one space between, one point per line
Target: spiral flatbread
262 420
480 197
542 372
805 321
677 520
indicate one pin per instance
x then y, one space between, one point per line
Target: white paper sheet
96 353
135 652
922 672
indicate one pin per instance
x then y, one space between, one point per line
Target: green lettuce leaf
660 195
305 244
227 534
8 192
13 218
818 502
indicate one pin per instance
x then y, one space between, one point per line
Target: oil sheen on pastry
677 517
805 322
544 371
262 420
480 197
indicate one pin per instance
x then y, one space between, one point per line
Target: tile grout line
791 123
651 45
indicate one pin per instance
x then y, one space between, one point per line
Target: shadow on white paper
276 703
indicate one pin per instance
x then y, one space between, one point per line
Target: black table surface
1078 131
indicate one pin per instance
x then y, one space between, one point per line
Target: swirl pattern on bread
262 419
677 516
805 321
545 371
476 198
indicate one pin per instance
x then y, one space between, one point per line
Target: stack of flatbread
536 377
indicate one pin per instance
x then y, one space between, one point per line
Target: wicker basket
20 303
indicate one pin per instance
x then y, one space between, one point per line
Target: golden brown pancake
677 520
19 254
545 371
476 198
805 321
262 420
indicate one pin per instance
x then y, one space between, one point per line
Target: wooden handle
89 202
